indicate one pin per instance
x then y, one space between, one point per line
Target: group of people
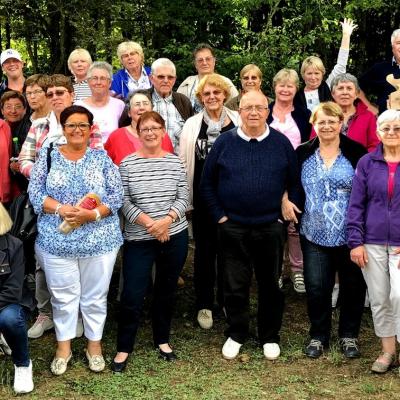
113 160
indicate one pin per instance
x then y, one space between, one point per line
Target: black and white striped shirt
154 186
81 90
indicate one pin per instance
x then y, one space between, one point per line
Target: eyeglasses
17 107
204 59
102 79
163 77
58 93
35 92
141 104
250 78
213 92
330 122
257 108
154 129
387 129
71 126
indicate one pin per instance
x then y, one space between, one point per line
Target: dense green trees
271 33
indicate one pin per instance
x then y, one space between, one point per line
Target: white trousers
382 276
78 283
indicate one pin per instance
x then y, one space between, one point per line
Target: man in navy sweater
245 177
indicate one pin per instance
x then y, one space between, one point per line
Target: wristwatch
172 217
98 215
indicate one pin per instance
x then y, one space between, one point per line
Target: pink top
392 170
5 152
121 143
289 128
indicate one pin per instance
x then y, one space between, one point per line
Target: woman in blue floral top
327 165
79 264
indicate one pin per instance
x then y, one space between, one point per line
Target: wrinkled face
285 91
327 127
163 80
151 134
253 112
212 97
131 60
13 110
77 130
36 97
59 98
389 133
139 104
99 82
344 93
250 81
312 78
79 68
204 62
13 68
396 48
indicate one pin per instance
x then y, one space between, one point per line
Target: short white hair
388 116
162 62
395 33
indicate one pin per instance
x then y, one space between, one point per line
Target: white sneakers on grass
205 319
23 382
231 348
271 351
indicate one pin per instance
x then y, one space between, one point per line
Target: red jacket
5 154
362 128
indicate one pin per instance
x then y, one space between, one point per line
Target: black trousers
207 268
243 248
320 265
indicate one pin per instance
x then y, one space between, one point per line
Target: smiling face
36 97
79 68
163 80
99 82
344 94
77 130
312 78
327 127
213 98
139 104
59 98
151 134
389 133
13 68
13 110
396 48
285 91
253 112
250 81
204 62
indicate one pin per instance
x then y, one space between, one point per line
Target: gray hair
395 33
101 65
388 116
162 62
346 77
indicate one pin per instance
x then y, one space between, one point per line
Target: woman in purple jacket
373 228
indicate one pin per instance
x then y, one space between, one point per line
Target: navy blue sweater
245 181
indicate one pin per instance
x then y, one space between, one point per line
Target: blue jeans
13 327
320 265
138 258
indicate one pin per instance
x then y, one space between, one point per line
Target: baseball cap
9 53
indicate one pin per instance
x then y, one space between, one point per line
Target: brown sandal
381 367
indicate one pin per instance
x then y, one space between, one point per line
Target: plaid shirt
173 119
43 132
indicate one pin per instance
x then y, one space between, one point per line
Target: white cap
9 53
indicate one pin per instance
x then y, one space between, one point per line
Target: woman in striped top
156 196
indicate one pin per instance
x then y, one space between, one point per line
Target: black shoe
314 349
119 366
168 356
349 347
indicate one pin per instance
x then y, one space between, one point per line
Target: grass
201 373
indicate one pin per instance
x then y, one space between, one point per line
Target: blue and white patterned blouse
67 182
327 193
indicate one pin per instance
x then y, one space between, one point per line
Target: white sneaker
205 319
230 349
43 323
79 328
23 382
4 347
271 351
298 282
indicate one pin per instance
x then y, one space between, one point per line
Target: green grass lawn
201 372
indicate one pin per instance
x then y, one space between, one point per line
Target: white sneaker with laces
43 323
271 351
205 319
4 347
298 282
23 382
230 349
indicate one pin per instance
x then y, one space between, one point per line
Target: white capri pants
382 276
78 284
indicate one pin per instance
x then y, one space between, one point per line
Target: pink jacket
362 128
5 154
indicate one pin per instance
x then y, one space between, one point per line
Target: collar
143 73
158 98
248 138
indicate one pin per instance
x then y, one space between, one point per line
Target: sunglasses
58 93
